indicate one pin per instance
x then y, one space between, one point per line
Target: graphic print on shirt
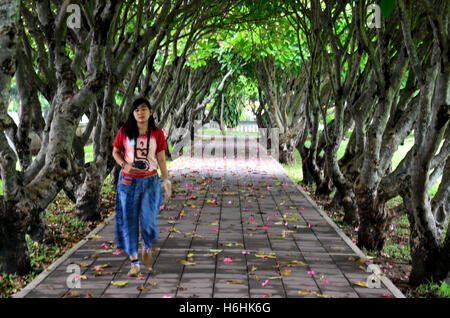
157 144
140 151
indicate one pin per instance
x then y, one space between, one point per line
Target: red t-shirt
157 144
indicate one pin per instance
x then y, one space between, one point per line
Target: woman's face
142 113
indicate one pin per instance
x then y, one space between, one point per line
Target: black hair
131 128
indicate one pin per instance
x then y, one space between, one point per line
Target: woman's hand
167 191
130 169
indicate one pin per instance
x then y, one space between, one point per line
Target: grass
431 290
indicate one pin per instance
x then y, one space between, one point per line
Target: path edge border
386 281
35 282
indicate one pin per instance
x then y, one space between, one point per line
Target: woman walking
139 149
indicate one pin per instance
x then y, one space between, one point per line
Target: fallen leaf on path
298 262
276 277
229 281
286 272
95 237
265 254
362 284
304 292
102 266
183 262
72 294
142 288
92 256
119 283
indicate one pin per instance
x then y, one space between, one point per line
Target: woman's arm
161 158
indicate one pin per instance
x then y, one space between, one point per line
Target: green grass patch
431 290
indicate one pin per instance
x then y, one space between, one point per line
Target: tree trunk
87 206
425 255
14 256
373 220
286 149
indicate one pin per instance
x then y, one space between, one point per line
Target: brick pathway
233 228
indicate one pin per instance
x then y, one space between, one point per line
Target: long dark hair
131 128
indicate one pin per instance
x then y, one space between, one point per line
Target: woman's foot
135 269
147 256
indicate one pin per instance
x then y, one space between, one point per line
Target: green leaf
387 6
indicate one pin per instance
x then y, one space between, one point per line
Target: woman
138 190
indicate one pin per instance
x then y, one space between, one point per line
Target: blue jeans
137 200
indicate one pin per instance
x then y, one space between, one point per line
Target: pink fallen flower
386 295
140 278
116 252
311 273
265 227
215 230
229 202
265 283
106 246
227 260
251 218
99 269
